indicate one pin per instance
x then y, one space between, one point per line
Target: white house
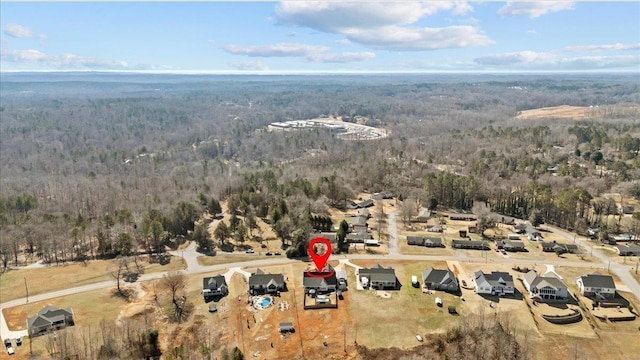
496 283
596 285
546 287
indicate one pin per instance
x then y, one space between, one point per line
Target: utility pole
637 264
26 288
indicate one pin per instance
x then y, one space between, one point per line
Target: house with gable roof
495 283
264 283
48 319
439 279
546 287
379 277
214 286
597 286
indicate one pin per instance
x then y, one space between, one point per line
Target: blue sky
315 36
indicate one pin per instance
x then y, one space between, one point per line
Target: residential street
192 267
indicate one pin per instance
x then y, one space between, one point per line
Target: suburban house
520 228
359 221
358 237
533 233
261 283
462 217
320 282
469 244
365 204
379 277
360 229
214 286
621 238
423 216
597 286
546 287
439 279
503 219
628 250
424 241
496 283
49 318
559 248
510 245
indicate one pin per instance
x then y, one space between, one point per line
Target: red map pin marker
319 260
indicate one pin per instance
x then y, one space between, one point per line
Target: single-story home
214 286
597 286
520 228
510 245
546 287
503 219
357 237
469 244
423 216
320 282
365 204
364 213
49 318
533 233
496 283
359 221
424 241
379 277
627 250
360 229
561 248
623 238
439 279
462 217
261 283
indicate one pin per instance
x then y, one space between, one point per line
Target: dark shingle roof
214 282
260 278
439 276
310 281
598 281
379 273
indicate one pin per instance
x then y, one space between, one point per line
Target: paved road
623 271
393 234
190 256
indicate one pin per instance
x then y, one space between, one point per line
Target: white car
10 350
419 338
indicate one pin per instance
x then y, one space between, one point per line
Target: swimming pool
265 302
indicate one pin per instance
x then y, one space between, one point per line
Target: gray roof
532 230
495 278
259 278
48 315
315 282
627 248
359 221
598 281
379 273
439 276
214 282
511 244
468 243
549 279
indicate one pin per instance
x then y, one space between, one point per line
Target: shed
287 327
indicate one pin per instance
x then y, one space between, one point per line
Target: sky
320 36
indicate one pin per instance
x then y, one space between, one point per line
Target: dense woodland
106 165
99 165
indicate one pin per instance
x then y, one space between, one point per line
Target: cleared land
46 279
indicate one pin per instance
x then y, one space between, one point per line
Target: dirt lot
557 112
46 279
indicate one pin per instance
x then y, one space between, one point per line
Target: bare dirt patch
557 112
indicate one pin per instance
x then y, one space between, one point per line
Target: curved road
193 267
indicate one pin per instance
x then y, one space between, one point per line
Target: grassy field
378 327
46 279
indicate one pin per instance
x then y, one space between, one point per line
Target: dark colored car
278 254
18 341
269 253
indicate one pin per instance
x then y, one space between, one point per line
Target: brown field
224 258
375 326
46 279
557 112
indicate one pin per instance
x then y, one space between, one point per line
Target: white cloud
314 53
282 49
256 65
344 57
403 38
519 57
534 9
19 31
65 61
548 61
336 16
383 25
608 47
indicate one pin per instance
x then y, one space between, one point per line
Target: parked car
419 338
18 341
10 350
7 342
269 253
250 251
278 254
213 308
